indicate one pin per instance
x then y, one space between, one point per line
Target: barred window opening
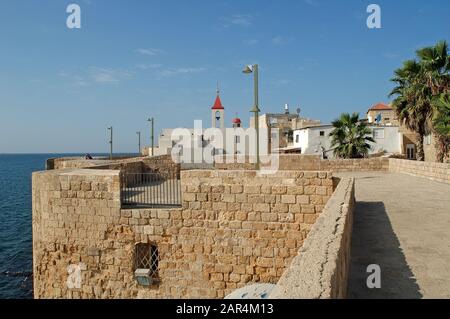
147 257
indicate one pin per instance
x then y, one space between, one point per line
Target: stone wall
73 162
235 227
309 163
81 162
355 165
436 171
320 270
73 211
162 164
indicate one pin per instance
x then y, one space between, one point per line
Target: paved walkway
401 223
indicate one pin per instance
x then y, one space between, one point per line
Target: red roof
236 120
380 107
217 104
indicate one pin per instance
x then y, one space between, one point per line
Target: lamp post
247 70
152 120
139 142
111 143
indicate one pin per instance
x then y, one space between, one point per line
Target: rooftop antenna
298 110
218 90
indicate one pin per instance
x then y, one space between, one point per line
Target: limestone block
279 190
288 199
261 207
254 189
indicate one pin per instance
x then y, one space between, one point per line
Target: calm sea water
15 222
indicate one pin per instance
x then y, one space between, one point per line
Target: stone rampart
320 270
435 171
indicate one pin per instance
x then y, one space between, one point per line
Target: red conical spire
218 103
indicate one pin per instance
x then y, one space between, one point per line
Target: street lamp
152 120
247 70
111 143
139 142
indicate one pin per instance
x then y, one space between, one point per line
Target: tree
441 124
412 102
419 85
435 64
441 120
350 137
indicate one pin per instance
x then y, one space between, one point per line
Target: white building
317 140
168 140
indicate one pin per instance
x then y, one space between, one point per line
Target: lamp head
255 109
248 69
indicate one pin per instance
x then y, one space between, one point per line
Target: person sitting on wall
88 156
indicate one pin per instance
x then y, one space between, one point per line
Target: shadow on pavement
374 242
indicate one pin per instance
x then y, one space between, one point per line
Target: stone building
383 114
285 123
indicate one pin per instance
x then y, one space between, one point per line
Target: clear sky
61 88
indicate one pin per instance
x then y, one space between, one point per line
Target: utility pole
139 142
111 143
152 136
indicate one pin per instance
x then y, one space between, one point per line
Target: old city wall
305 163
234 227
320 270
435 171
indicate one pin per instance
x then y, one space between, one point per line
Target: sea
16 276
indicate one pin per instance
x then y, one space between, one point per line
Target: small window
378 133
297 138
146 259
410 151
322 133
428 139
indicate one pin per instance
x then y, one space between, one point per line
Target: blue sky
60 88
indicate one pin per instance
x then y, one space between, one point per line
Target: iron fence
151 189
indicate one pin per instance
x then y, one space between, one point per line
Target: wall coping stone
312 272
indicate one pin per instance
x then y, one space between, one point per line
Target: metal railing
151 190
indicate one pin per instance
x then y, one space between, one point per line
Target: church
168 139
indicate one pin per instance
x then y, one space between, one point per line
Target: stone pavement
401 223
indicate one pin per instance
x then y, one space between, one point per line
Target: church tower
218 113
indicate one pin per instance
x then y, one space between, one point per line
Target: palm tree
441 120
441 124
419 83
350 137
435 63
412 102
